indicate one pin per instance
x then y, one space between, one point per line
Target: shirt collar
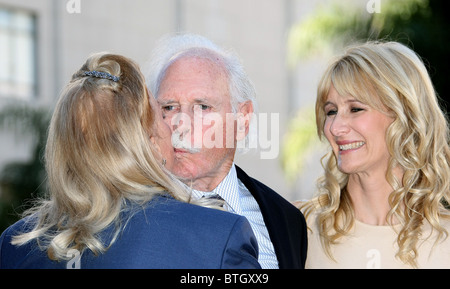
228 189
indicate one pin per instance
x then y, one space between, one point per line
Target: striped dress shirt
240 201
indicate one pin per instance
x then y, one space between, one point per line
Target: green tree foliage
20 182
301 140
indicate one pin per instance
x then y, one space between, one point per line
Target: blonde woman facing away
111 202
381 201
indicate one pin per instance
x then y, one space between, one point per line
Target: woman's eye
356 109
331 112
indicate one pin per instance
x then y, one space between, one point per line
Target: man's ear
244 115
155 145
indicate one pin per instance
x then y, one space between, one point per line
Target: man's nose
182 122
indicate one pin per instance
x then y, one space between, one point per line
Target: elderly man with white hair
208 101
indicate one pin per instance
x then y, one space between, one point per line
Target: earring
164 162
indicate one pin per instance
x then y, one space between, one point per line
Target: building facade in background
42 42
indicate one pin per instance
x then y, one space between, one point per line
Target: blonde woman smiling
381 200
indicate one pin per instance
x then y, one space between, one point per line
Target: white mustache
180 142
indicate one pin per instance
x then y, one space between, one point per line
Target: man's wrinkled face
195 100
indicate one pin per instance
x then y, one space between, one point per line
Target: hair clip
100 74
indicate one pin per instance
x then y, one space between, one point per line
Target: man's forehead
199 54
192 66
170 100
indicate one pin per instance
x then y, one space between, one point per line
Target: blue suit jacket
167 234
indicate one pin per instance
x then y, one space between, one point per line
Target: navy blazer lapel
284 222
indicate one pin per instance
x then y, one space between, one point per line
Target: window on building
17 54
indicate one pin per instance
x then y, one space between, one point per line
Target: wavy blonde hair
99 159
389 75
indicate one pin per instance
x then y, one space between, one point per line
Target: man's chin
186 179
184 169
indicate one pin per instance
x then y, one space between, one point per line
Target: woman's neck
370 197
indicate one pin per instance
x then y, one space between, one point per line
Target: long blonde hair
99 159
389 75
